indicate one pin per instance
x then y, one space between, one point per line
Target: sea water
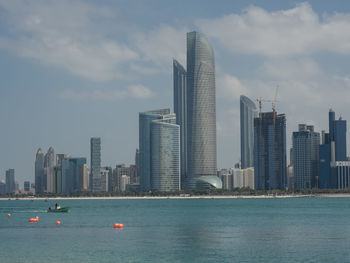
177 230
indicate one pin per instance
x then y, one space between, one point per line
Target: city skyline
62 77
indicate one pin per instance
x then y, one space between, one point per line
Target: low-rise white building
238 180
248 177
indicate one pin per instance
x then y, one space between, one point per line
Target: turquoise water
178 230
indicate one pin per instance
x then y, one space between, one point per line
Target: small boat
61 209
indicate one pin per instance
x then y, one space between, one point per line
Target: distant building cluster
64 174
237 178
316 161
11 186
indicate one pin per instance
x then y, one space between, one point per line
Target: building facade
2 187
10 181
270 168
248 176
332 150
201 110
340 171
305 157
340 140
124 182
95 163
248 112
226 179
134 178
39 172
49 164
137 164
73 175
105 173
238 179
145 120
165 154
26 186
180 109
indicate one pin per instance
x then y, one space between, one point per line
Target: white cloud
136 92
144 70
295 31
230 87
65 34
162 44
140 92
298 68
86 39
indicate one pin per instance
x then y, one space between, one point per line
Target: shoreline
342 195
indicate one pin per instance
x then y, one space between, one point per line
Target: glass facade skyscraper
180 109
248 112
73 173
39 171
201 110
315 156
332 150
95 154
165 154
145 119
10 181
270 169
49 164
325 166
340 139
305 150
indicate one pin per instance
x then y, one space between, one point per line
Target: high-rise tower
39 171
145 120
95 173
332 150
201 110
165 154
248 112
10 181
270 169
305 156
180 109
49 164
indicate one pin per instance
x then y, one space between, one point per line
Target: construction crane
273 102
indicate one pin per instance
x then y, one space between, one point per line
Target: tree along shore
187 193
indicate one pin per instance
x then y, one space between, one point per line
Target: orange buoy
58 223
8 215
118 225
32 220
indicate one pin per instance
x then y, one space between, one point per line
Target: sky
71 70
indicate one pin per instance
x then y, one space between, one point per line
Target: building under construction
270 151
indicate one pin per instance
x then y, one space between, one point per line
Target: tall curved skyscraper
247 114
201 109
49 163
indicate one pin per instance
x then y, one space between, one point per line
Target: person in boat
57 206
